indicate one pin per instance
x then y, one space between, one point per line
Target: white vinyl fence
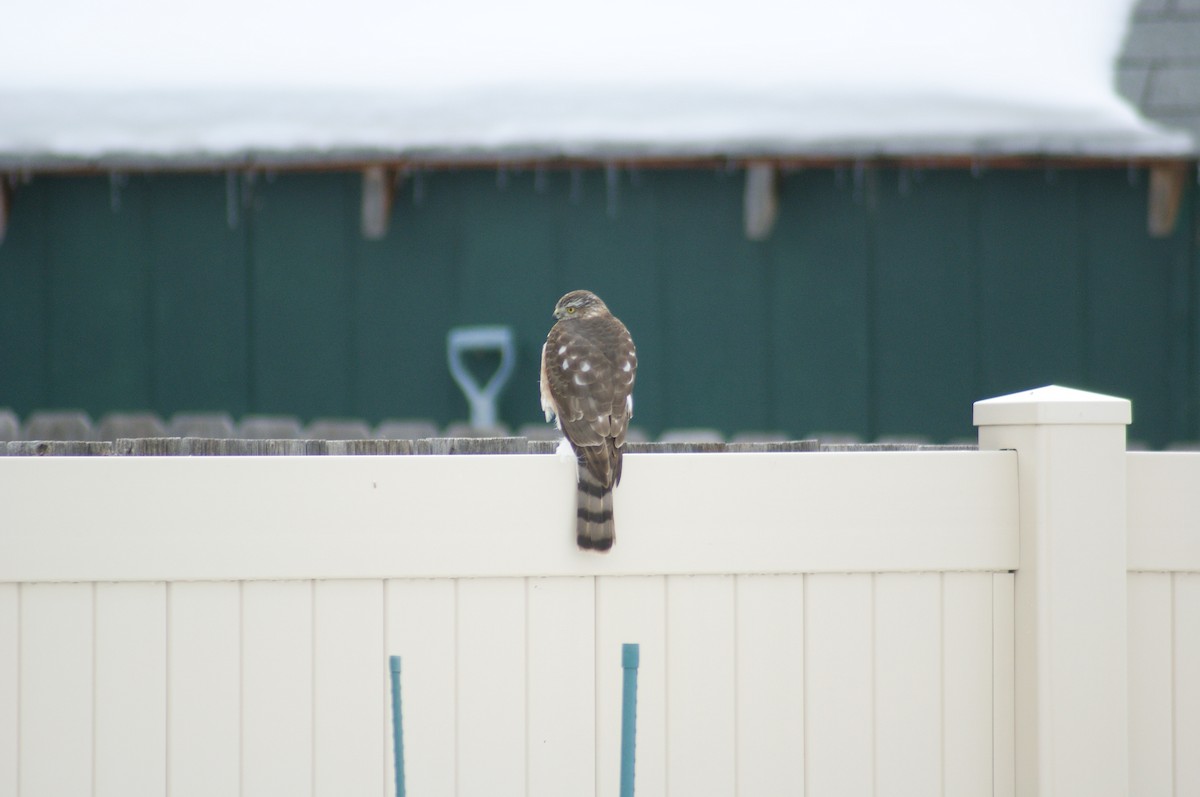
907 623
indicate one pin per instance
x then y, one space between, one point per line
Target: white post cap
1052 405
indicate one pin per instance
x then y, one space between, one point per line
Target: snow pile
233 79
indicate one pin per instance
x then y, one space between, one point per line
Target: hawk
588 365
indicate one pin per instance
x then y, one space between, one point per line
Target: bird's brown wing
584 376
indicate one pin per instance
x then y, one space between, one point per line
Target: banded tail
594 528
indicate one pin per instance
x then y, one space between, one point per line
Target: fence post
1071 712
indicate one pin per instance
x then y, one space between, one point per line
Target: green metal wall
885 302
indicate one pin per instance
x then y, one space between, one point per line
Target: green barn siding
884 302
1185 314
199 279
1130 330
925 291
711 304
1032 298
301 324
25 300
100 322
408 294
819 284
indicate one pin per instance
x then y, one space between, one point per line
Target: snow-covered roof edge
197 129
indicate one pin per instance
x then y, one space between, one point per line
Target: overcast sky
1029 48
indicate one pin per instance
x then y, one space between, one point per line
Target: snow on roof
138 80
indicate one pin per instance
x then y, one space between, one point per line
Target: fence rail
218 518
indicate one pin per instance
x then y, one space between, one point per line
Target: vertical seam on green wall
1183 304
766 262
1082 282
558 223
47 321
975 261
663 302
652 188
1192 343
870 201
249 219
150 285
353 243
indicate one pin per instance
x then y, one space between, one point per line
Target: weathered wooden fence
834 623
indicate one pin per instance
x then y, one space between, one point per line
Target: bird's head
579 304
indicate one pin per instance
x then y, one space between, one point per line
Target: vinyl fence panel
632 609
966 688
56 689
770 685
701 686
560 674
1187 682
277 688
10 658
838 685
349 704
422 629
204 689
130 732
492 689
1151 685
908 712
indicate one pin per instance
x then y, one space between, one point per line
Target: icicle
502 177
5 201
541 178
248 180
860 175
231 199
418 184
976 168
1167 181
1051 176
610 189
576 194
760 201
376 208
116 181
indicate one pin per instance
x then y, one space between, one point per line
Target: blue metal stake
629 662
397 727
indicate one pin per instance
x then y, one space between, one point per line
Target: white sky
1021 46
1055 54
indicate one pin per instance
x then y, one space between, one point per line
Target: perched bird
588 366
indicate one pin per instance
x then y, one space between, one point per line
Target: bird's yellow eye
570 309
